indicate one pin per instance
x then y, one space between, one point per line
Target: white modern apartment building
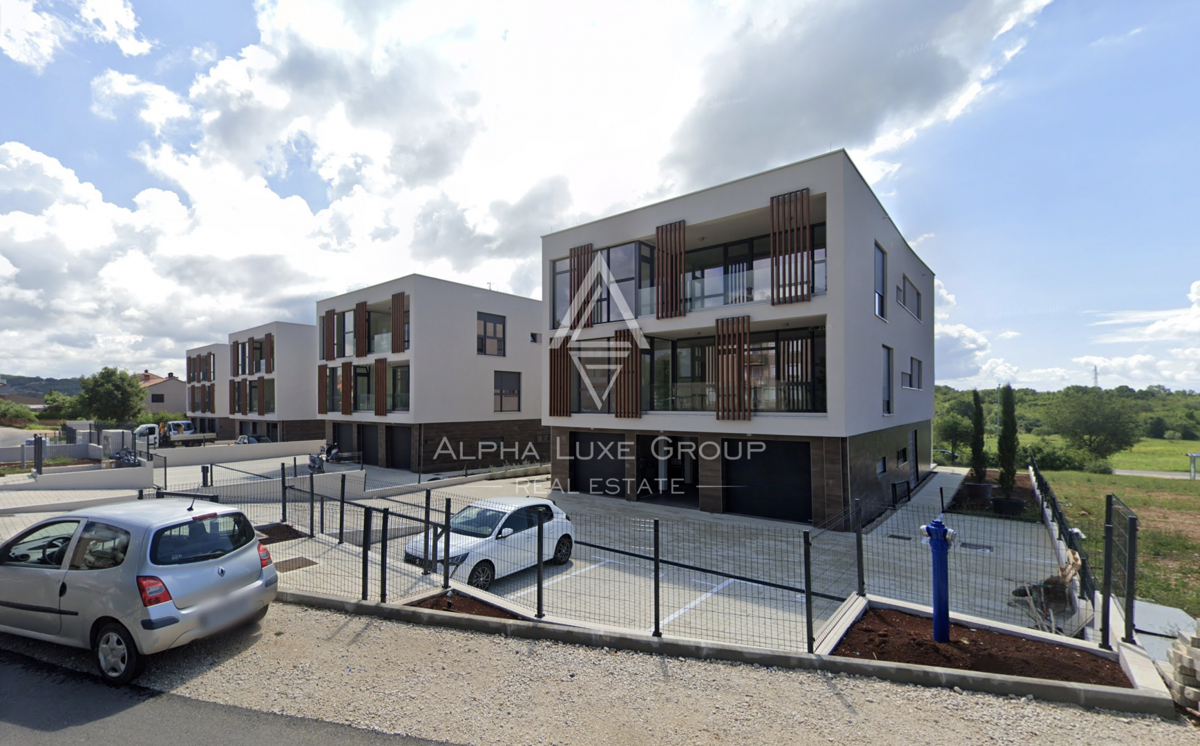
429 375
207 390
270 386
762 347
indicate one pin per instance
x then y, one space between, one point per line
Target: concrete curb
1084 695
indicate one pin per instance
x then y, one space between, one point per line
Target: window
201 539
269 394
43 547
909 297
157 398
398 388
622 262
256 357
334 391
880 282
254 392
902 457
535 338
520 520
490 335
887 380
561 279
912 378
100 547
344 334
881 466
379 332
507 394
364 388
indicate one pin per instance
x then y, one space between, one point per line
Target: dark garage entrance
399 444
596 468
343 436
775 483
368 443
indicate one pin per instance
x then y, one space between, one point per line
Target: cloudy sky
172 171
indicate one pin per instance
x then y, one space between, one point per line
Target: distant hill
37 386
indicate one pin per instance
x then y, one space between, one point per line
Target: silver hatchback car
132 579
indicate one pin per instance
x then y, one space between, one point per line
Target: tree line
109 396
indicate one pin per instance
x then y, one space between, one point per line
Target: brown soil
1022 490
464 605
887 635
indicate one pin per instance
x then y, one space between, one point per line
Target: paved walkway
1158 474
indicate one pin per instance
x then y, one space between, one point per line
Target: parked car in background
146 433
498 537
128 580
251 440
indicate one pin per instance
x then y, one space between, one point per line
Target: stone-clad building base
436 447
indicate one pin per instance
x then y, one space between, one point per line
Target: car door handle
62 589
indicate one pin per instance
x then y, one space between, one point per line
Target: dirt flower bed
964 501
461 604
887 635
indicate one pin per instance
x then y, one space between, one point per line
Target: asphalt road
11 436
1158 474
45 704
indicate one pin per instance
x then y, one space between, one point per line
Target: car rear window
205 537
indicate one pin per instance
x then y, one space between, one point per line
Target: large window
909 297
561 281
911 378
740 272
364 388
489 335
379 332
334 389
398 388
269 395
507 391
344 334
623 263
887 380
880 282
254 392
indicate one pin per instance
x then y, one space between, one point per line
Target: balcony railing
364 403
381 342
399 403
702 397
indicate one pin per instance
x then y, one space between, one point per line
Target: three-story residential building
763 347
207 390
271 391
424 374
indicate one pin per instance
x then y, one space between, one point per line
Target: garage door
399 440
775 483
596 468
368 443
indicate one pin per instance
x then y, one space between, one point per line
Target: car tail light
154 591
263 555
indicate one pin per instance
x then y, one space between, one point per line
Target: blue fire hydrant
940 539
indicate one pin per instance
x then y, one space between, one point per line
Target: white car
497 537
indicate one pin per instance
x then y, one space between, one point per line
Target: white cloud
1106 41
944 302
1181 367
29 36
113 21
1180 324
1008 335
160 105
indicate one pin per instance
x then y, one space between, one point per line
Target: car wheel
562 550
117 655
482 575
258 616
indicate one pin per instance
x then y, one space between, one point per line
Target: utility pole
1096 376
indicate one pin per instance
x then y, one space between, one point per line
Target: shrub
1055 458
1098 466
1173 435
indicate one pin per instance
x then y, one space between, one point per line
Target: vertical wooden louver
347 388
732 400
791 249
560 381
233 358
245 384
233 397
330 330
381 384
212 398
362 335
262 395
322 389
629 376
795 372
671 240
269 352
250 356
399 306
581 262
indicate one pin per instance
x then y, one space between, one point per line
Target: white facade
288 371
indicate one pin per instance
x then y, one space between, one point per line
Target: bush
16 415
1055 458
1098 466
1042 430
1173 435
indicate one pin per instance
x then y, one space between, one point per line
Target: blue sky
171 171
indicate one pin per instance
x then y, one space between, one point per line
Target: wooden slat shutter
245 395
269 352
232 397
330 327
233 358
381 382
581 262
212 398
322 389
791 250
671 240
362 334
262 395
732 400
796 375
347 388
560 381
399 306
629 376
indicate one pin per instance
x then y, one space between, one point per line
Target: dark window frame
502 390
880 257
488 320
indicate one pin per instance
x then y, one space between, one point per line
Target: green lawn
1168 513
1150 454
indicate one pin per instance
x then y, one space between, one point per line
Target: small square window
902 457
881 467
535 338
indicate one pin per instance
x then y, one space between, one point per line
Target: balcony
381 343
364 403
398 402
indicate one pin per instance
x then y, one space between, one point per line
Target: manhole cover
898 536
280 532
296 563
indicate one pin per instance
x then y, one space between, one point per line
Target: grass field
1168 513
1150 454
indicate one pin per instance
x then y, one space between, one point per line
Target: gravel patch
468 687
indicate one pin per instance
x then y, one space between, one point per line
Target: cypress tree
978 455
1008 441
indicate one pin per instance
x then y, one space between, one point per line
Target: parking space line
695 603
527 591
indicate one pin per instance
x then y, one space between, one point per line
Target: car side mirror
504 533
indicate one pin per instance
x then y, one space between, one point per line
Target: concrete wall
16 453
864 452
229 453
99 479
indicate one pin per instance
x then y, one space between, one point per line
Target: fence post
322 524
808 604
283 492
657 571
139 494
1130 577
1106 595
342 511
312 504
428 531
858 548
383 557
366 549
446 549
158 493
541 612
295 468
165 483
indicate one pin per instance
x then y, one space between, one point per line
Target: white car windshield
477 522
